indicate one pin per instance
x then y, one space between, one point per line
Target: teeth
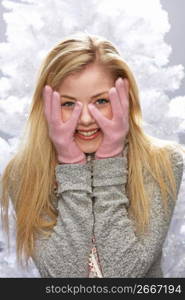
87 133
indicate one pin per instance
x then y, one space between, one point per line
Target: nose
85 117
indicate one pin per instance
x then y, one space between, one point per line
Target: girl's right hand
115 130
60 133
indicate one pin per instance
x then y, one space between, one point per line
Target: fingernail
79 105
47 87
120 79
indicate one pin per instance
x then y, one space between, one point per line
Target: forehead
93 78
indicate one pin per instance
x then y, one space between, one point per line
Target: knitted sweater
92 202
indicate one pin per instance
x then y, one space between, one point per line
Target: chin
88 147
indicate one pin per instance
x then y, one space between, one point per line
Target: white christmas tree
137 28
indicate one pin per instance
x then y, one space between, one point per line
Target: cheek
66 114
107 111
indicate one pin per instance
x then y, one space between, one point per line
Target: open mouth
87 135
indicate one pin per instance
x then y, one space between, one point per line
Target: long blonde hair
29 177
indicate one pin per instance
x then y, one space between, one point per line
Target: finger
47 98
75 116
126 86
56 109
115 102
122 86
97 115
127 93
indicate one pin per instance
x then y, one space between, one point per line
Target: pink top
94 264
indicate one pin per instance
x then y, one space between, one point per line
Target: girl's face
88 86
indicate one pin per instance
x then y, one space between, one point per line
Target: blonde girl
93 193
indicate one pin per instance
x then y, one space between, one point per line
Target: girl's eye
102 101
71 104
68 104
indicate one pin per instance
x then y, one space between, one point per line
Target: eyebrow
70 97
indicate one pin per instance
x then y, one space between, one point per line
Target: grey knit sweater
92 200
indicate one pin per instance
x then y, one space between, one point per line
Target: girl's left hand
116 129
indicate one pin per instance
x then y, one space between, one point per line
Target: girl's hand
60 133
114 130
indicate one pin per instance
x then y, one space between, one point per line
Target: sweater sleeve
65 253
123 253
